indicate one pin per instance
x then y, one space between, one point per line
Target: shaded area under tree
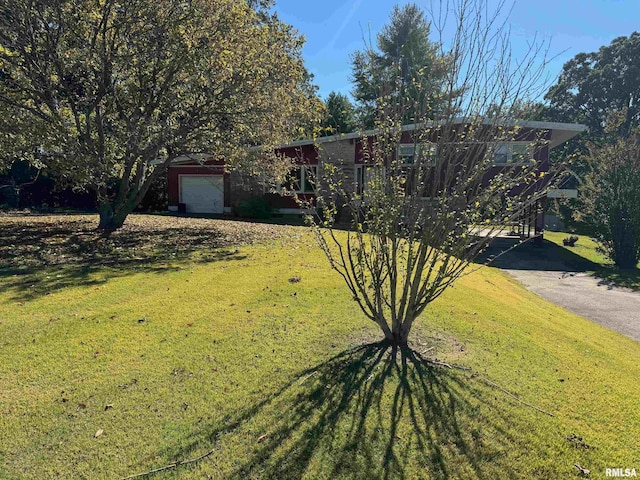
551 257
43 254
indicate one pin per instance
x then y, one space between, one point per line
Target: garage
202 193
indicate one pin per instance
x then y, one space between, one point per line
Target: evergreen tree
405 68
340 115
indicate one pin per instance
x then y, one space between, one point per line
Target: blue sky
334 29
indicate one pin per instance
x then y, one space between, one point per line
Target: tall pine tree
340 115
404 67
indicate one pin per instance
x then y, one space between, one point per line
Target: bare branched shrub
431 196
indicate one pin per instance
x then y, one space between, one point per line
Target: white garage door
202 193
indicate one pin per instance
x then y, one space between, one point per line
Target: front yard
176 338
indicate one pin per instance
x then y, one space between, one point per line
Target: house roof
560 133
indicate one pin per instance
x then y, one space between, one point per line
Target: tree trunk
109 219
399 336
624 241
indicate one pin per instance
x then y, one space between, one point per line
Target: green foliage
340 115
18 175
594 84
610 198
591 87
406 67
255 207
118 89
157 197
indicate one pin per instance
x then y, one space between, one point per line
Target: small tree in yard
610 196
118 89
419 214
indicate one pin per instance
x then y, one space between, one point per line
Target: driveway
559 276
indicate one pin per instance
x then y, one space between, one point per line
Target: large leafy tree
592 85
119 88
404 65
340 115
610 194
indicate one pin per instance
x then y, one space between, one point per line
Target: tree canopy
118 89
404 65
590 89
340 115
592 85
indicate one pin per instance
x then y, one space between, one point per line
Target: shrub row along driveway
566 279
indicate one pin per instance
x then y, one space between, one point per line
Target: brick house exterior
204 187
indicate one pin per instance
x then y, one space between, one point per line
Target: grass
222 348
595 262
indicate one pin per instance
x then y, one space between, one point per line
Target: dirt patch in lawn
431 345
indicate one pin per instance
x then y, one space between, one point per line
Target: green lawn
594 261
172 353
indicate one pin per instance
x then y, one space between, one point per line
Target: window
365 174
302 179
360 180
513 153
309 175
362 177
408 153
294 179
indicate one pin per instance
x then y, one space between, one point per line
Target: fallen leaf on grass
262 438
98 433
583 471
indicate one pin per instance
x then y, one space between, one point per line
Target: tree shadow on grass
365 414
42 257
549 256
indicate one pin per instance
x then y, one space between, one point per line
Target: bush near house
256 207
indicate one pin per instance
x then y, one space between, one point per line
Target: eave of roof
560 133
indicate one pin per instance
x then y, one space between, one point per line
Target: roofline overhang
560 133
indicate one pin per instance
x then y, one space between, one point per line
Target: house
201 185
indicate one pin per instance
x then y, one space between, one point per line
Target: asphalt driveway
561 277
